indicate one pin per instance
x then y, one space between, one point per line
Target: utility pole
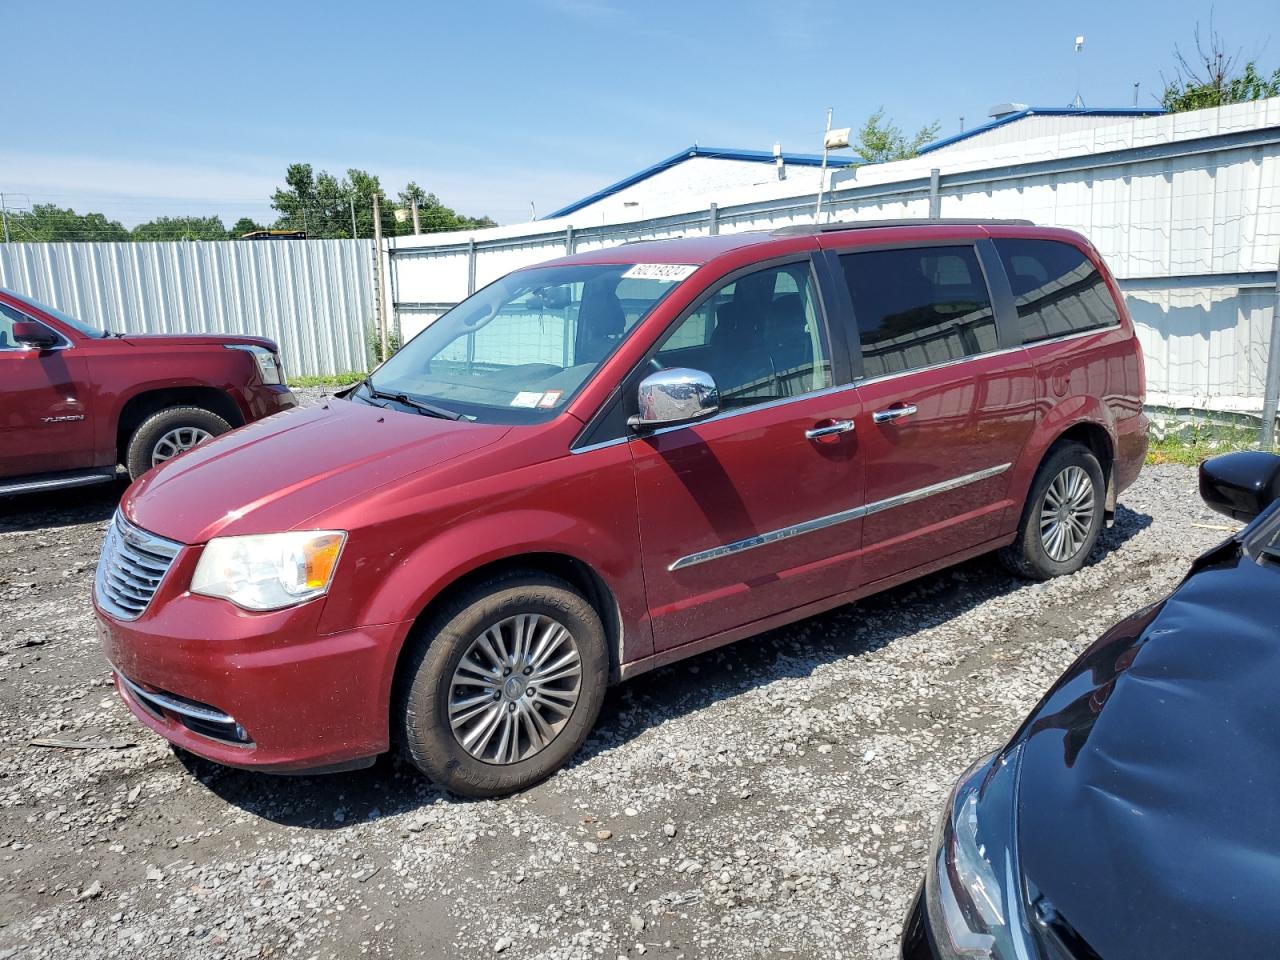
381 280
4 217
1271 395
352 201
822 175
417 228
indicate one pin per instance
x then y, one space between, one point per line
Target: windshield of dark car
1264 538
518 350
79 326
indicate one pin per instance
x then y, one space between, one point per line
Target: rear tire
1063 515
492 699
169 432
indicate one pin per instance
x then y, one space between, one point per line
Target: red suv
75 401
605 463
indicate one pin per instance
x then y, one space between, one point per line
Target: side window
1056 288
759 336
8 317
919 306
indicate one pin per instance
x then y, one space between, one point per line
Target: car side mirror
34 335
669 398
1240 485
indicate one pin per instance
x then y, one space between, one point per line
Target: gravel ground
775 797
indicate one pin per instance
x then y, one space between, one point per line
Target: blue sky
140 109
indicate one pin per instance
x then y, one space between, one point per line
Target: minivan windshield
518 350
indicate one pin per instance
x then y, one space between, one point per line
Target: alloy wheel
176 441
1066 514
515 688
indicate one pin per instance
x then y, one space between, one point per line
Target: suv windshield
519 349
79 326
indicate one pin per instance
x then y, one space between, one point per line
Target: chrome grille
132 564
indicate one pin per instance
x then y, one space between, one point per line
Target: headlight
269 572
973 889
268 363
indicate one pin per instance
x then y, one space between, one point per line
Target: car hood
1149 796
276 474
173 340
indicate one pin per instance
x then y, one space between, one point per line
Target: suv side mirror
35 335
669 398
1240 485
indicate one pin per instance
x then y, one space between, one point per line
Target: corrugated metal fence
313 297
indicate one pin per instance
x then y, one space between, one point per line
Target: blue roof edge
688 153
1045 112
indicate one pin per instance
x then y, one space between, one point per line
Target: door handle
829 430
896 412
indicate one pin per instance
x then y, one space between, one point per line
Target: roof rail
802 229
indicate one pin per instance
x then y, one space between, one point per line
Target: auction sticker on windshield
670 272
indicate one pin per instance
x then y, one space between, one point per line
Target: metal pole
471 266
4 217
1271 398
417 227
568 240
382 280
355 234
714 228
822 176
935 198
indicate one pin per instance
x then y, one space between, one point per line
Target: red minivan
607 462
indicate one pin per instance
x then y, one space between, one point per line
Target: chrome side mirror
672 397
1240 485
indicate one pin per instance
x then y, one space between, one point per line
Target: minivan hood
275 474
1150 773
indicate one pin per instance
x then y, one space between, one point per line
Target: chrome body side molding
831 519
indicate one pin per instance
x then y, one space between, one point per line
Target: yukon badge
66 419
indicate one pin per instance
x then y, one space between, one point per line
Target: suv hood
194 340
275 474
1148 812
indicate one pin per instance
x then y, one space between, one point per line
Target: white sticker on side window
526 399
670 272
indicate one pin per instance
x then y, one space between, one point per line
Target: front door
45 425
947 410
756 510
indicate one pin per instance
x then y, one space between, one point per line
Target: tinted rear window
1056 288
919 306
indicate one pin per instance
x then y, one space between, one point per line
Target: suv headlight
269 367
973 889
269 572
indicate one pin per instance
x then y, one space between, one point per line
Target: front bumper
262 400
917 942
259 691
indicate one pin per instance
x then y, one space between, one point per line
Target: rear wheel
1062 517
504 685
169 432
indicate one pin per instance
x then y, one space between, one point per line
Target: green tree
322 205
244 225
180 228
881 140
47 222
1211 77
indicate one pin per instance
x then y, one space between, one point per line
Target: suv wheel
1062 517
504 685
169 432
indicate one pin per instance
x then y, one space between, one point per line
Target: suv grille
132 564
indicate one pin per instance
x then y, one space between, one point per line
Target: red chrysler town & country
611 461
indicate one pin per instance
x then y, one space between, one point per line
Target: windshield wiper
427 409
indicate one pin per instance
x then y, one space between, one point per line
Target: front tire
1063 515
503 685
169 432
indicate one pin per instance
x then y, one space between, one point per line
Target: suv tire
1062 518
470 706
167 433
